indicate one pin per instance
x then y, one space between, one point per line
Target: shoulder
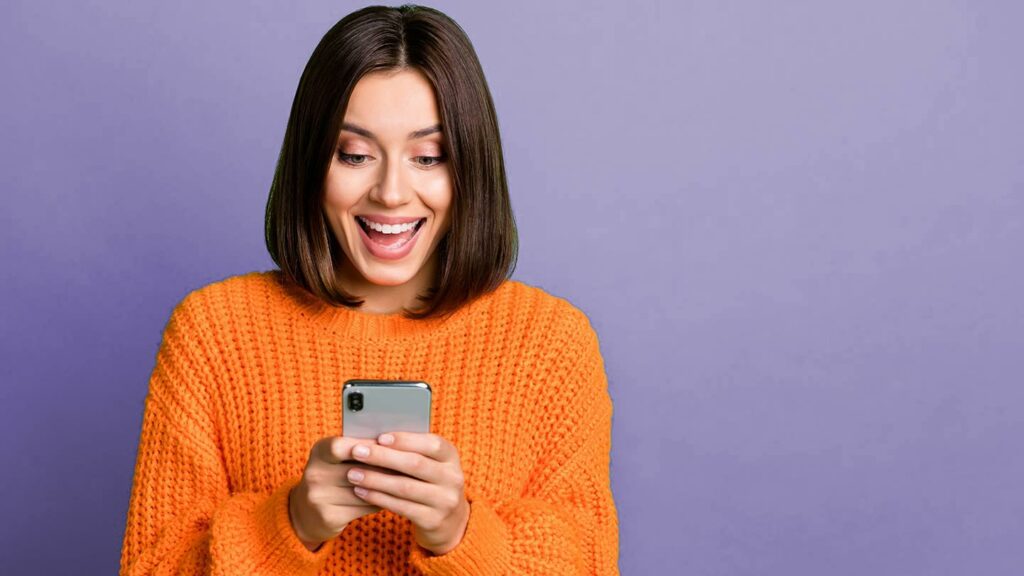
235 286
224 302
542 305
195 340
561 344
564 328
220 296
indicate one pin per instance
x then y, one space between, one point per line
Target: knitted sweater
249 375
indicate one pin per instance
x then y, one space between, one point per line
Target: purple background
797 229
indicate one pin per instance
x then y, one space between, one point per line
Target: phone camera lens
355 401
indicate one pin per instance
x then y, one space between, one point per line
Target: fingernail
386 439
361 492
361 451
355 475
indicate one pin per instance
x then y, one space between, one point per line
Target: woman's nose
392 190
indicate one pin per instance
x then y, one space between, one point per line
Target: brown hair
480 249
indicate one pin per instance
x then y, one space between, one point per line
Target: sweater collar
352 322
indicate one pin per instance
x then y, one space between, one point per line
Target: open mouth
392 237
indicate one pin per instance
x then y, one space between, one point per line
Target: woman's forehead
393 105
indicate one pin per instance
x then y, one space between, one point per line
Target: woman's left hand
430 494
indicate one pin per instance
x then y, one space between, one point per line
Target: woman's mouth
389 241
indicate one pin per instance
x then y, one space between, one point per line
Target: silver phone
372 407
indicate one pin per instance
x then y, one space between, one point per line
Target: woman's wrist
462 523
293 515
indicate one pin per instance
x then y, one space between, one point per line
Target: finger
341 497
334 449
347 499
430 445
326 495
410 463
404 487
342 470
342 515
415 512
331 476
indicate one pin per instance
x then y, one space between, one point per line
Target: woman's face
389 168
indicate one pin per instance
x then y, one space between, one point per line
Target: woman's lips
382 219
396 251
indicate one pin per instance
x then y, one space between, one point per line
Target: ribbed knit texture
248 377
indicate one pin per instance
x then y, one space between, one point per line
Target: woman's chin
390 277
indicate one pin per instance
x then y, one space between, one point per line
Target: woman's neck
381 299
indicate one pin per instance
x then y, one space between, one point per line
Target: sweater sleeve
565 522
182 517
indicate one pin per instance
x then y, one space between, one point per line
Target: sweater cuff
483 550
269 539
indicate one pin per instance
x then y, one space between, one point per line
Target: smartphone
372 407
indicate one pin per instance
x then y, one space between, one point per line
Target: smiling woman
393 121
388 192
389 218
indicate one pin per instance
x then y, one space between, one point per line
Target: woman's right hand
322 504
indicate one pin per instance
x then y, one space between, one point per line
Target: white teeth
389 228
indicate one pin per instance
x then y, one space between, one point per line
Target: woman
390 221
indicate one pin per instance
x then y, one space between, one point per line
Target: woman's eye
354 159
436 160
360 159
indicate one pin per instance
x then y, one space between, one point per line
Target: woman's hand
322 504
430 495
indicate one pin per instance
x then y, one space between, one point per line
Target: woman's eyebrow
412 135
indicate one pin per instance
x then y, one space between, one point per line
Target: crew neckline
352 322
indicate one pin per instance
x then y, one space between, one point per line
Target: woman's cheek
438 192
343 190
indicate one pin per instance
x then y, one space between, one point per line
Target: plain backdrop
797 227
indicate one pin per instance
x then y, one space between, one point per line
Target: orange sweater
248 377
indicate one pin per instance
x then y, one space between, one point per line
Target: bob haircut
479 251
